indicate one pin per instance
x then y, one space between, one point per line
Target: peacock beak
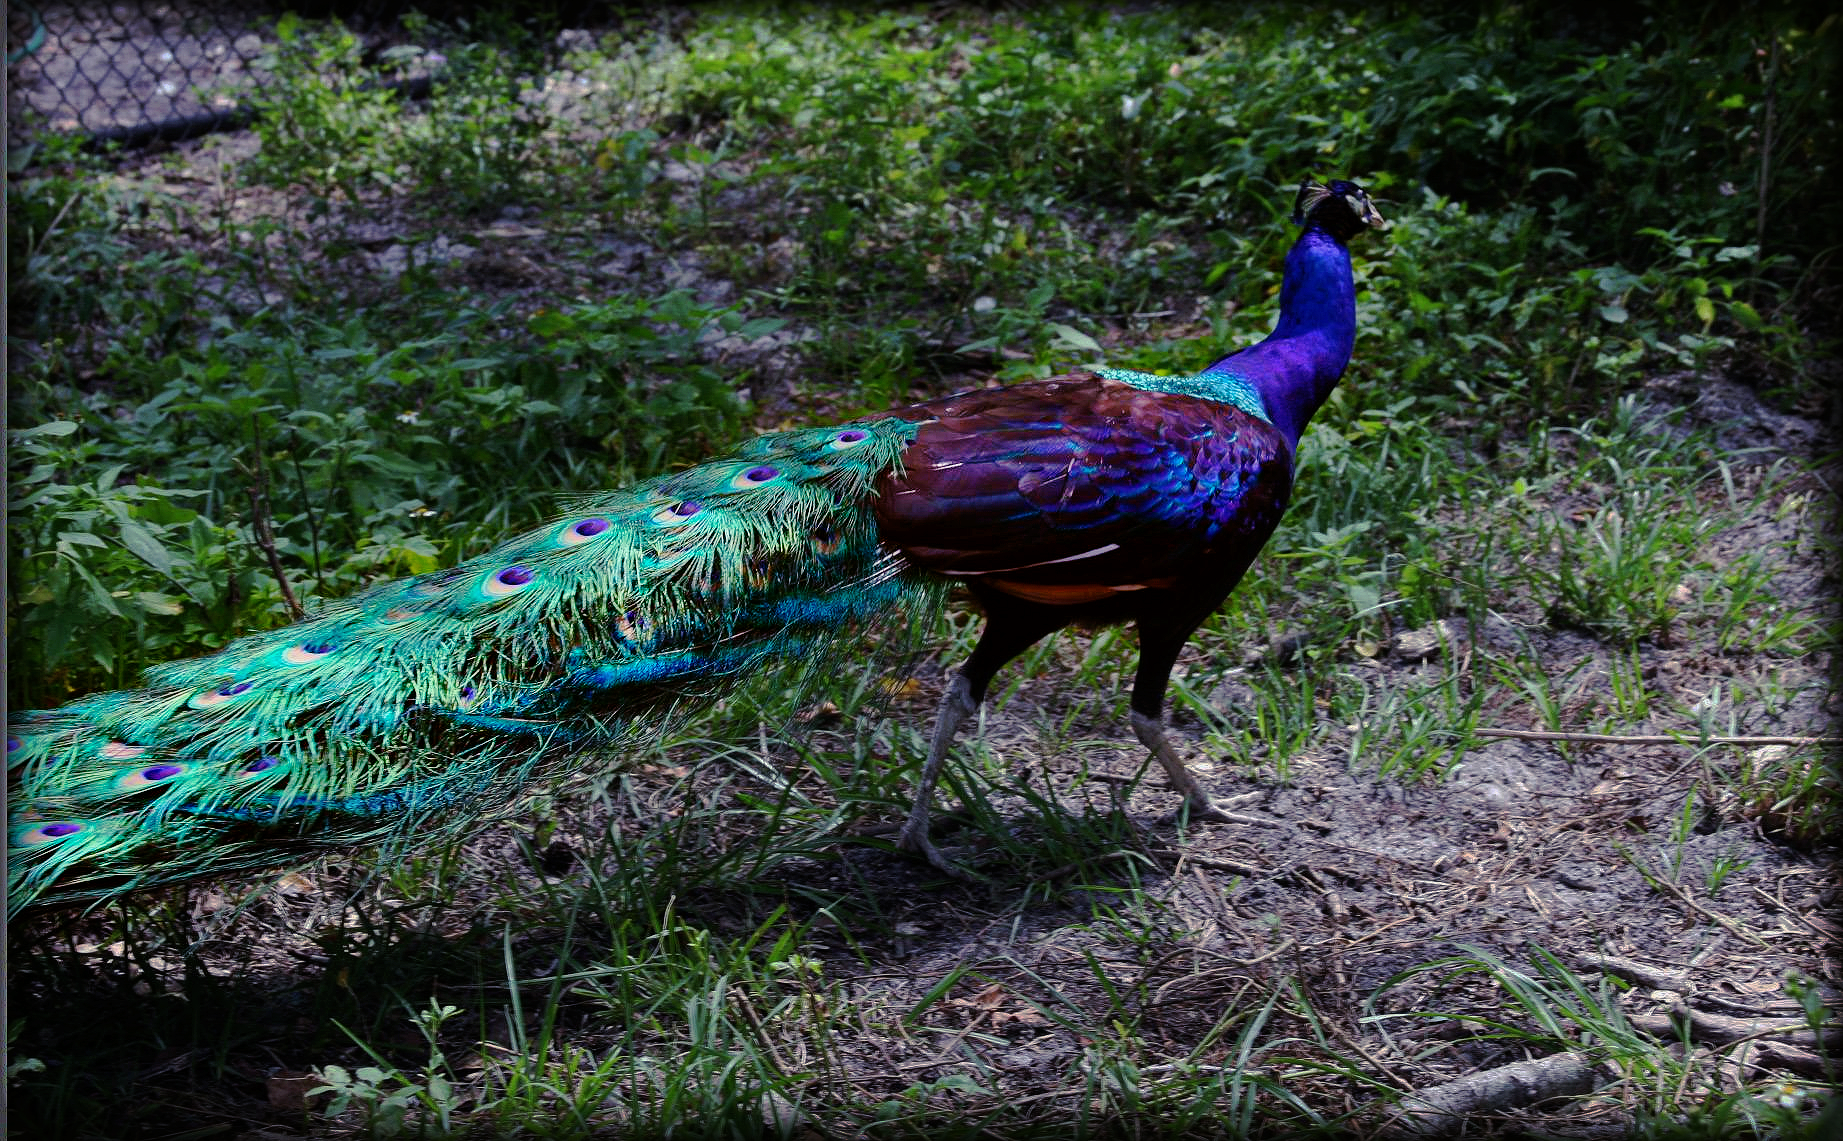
1366 211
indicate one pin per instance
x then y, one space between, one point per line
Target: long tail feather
414 706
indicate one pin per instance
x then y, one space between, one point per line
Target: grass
412 328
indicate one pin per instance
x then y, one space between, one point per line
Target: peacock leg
956 705
1151 734
1160 642
1011 628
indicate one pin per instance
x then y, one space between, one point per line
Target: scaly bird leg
1151 734
956 705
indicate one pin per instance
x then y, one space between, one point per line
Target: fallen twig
1649 738
1664 887
1724 1029
1644 974
265 541
1783 1045
1444 1109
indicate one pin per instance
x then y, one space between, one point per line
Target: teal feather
373 720
1223 386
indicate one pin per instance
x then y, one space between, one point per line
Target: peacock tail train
408 709
403 713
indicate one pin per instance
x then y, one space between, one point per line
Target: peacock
409 709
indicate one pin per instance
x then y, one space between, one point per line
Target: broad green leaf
1075 338
155 603
142 542
49 428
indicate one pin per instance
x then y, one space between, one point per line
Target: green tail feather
416 705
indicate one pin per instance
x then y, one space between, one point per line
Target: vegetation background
1580 477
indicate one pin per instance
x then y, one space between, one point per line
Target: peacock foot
915 842
1206 809
1198 806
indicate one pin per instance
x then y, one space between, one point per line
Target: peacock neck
1297 366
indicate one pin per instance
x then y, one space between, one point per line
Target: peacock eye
755 477
214 697
825 539
148 777
306 652
850 438
675 513
583 530
631 626
45 833
509 580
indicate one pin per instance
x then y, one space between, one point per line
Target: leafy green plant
105 554
390 1102
324 117
375 452
479 141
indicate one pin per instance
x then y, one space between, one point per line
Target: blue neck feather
1299 363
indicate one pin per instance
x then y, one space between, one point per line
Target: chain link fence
130 72
135 71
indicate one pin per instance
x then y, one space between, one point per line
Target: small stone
1771 754
1424 644
780 1116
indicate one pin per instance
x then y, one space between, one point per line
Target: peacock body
410 708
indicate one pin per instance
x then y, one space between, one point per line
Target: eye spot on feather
759 574
46 833
14 744
755 477
508 581
631 626
256 766
215 697
399 614
583 530
675 514
307 652
825 539
849 438
468 693
148 777
121 751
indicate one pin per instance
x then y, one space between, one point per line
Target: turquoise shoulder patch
1223 387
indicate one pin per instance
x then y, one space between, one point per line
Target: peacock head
1340 208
